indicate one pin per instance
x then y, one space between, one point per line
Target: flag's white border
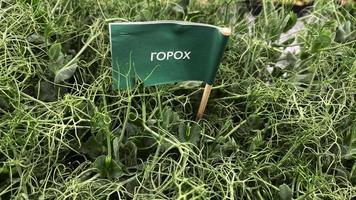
166 22
224 30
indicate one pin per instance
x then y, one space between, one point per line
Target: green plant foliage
290 21
65 73
285 193
322 41
191 134
343 32
60 63
108 167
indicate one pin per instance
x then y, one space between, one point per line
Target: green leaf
254 120
304 55
55 51
165 145
195 134
256 142
322 41
145 15
181 131
288 41
108 167
291 20
228 146
56 57
340 35
343 32
347 27
351 147
4 170
277 72
303 78
47 91
182 7
128 154
36 39
187 133
353 174
4 104
184 3
116 148
189 84
291 58
100 122
178 8
169 117
65 73
95 146
285 193
107 162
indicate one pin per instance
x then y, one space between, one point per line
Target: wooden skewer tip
226 31
204 101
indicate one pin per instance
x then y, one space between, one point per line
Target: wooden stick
204 102
225 31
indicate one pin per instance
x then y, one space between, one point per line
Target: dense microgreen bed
65 134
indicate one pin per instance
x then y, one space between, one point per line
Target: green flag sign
164 52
